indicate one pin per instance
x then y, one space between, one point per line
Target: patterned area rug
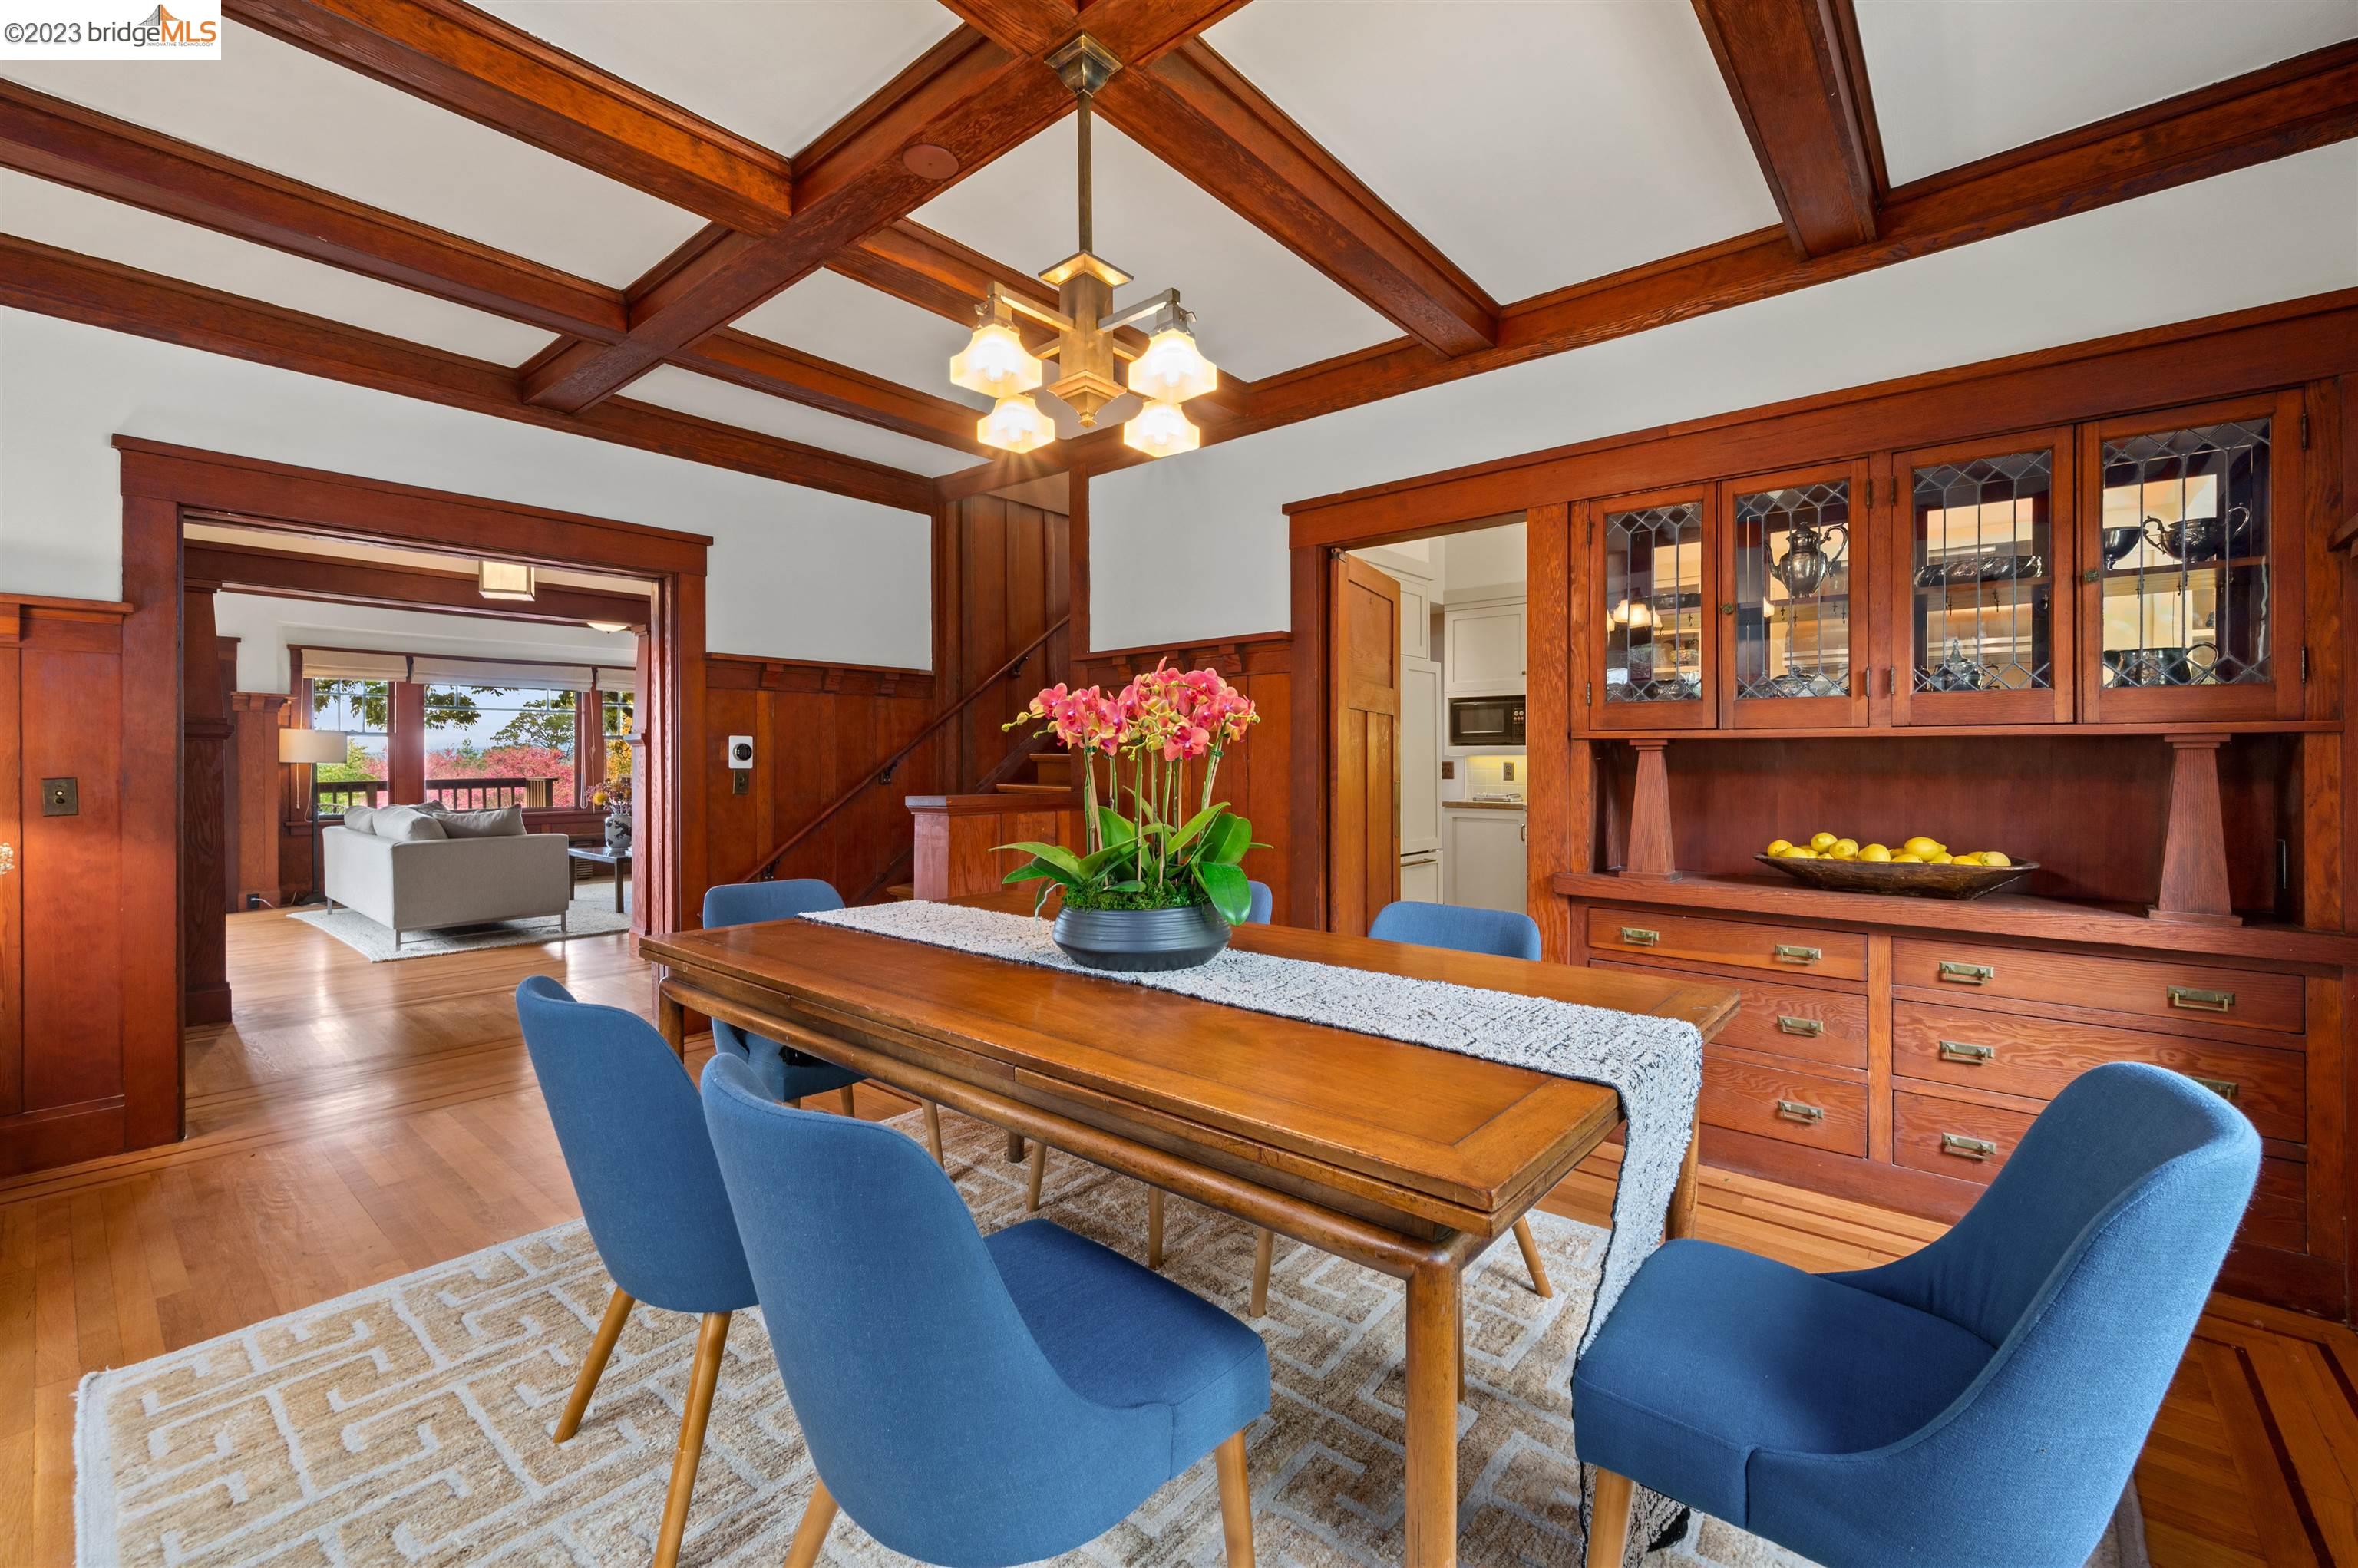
588 918
409 1423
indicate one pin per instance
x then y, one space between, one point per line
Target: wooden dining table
1407 1159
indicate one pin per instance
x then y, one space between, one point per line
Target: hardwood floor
358 1120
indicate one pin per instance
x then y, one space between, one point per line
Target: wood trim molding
54 282
750 672
2242 352
286 573
1788 74
462 59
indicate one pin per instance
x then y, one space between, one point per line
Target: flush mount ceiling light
607 625
1166 374
505 579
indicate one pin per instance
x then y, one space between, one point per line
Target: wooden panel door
2191 548
1982 552
1364 663
1796 559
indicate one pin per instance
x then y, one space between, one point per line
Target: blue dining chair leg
933 1133
711 1334
1264 1253
811 1534
593 1367
1236 1499
1609 1519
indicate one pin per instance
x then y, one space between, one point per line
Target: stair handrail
882 772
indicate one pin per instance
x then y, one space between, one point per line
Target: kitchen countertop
1485 805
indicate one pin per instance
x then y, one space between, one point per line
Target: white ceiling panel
1537 143
58 215
690 393
830 316
1958 80
271 104
776 71
1261 309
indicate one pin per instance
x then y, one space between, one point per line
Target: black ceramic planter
1140 941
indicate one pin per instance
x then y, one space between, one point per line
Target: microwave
1484 721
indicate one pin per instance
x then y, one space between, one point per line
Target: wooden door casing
1364 824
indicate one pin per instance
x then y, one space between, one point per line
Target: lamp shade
995 363
1015 425
1160 430
311 745
1172 369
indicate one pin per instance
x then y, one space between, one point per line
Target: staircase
1051 785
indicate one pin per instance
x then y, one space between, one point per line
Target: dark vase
1140 941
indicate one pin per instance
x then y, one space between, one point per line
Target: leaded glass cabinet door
1983 551
2191 545
1794 549
1650 609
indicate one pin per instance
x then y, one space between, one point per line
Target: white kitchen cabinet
1420 880
1485 857
1483 647
1420 756
1415 615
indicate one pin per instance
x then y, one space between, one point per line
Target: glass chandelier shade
1161 430
995 363
1015 425
1172 369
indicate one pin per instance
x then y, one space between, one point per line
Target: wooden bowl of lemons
1918 868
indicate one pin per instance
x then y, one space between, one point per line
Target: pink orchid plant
1176 846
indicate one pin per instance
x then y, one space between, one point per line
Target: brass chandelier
1168 371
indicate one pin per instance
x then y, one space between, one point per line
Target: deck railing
459 795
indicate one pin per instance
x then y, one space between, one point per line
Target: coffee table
618 859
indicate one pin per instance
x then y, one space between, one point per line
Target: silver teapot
1808 558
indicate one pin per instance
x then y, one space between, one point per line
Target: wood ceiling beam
63 142
292 574
1196 113
2307 101
1787 69
470 63
763 366
966 95
61 282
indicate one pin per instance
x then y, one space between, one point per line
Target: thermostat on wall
741 751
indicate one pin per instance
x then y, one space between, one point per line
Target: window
618 720
491 746
363 710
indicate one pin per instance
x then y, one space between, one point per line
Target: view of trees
501 733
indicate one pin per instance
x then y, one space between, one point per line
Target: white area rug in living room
592 916
409 1423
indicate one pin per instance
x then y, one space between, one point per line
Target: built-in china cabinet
2089 646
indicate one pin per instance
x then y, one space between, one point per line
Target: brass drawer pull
2195 1000
1638 936
1971 1148
1786 952
1967 974
1787 1023
1966 1051
2224 1088
1794 1110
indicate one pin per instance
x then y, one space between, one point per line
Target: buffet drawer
2187 994
1744 1094
2018 1055
1785 949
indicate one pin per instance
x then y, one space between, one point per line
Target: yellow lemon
1799 852
1905 859
1942 859
1845 847
1874 852
1995 858
1777 846
1821 842
1925 848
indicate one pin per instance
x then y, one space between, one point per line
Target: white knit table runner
1655 1065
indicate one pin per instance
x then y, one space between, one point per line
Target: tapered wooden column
2194 846
1651 856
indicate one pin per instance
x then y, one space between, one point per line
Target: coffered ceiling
698 226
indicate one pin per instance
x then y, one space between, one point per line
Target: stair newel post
2194 842
1650 856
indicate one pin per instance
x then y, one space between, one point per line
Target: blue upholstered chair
789 1074
1980 1401
1263 901
969 1401
634 1139
1509 933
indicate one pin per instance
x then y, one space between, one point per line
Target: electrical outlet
1508 775
1448 769
60 798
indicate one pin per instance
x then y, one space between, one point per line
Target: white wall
2277 232
794 573
265 628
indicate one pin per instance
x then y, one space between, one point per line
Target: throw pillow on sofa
358 818
407 824
502 822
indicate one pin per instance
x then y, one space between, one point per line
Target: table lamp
311 747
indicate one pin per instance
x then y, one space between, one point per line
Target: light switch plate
60 798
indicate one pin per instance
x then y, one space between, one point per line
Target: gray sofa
419 867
